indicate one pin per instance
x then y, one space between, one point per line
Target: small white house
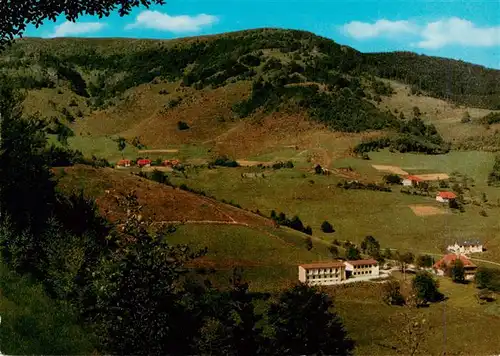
322 273
410 181
466 247
362 269
445 197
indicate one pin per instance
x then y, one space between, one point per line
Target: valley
306 105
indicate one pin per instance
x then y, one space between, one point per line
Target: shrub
392 179
392 293
225 162
488 278
181 125
327 227
309 244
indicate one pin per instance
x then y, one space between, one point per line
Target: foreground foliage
125 282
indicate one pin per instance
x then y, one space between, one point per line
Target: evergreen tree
304 324
457 271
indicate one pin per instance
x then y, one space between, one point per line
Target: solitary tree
318 169
425 288
411 329
424 261
309 243
392 293
370 246
416 112
334 251
404 260
352 253
327 227
122 143
303 324
457 271
15 15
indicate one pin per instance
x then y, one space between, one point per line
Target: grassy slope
357 213
32 323
469 326
268 255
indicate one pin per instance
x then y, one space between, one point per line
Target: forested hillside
460 82
289 69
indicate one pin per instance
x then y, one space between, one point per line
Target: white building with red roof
445 197
410 180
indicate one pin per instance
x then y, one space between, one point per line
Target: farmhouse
466 247
123 163
322 273
144 162
445 197
411 181
362 269
447 261
171 162
336 272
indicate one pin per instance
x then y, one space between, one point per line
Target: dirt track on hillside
159 151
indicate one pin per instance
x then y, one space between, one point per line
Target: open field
390 169
433 176
357 213
157 151
426 210
268 258
374 325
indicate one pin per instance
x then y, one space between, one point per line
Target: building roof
143 161
123 161
447 195
450 258
370 261
468 243
414 178
326 264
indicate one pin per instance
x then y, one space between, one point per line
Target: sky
467 30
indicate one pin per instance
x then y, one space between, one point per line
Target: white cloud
456 31
433 35
183 23
362 30
76 28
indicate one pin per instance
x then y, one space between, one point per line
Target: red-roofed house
144 162
322 273
171 163
447 261
411 181
445 197
123 163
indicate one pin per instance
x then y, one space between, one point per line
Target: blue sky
467 30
